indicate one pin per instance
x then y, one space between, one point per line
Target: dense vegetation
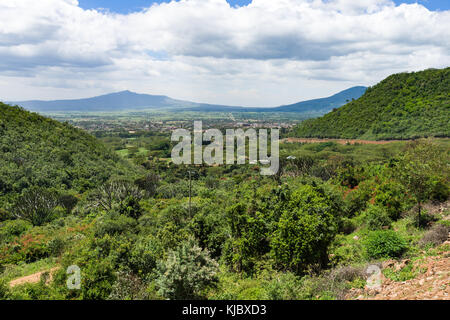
403 106
38 152
128 222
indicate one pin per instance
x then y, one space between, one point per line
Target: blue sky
126 6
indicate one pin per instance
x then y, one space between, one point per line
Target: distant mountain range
130 101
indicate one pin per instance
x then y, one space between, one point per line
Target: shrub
13 228
187 272
285 286
437 235
144 256
130 207
5 215
376 218
440 192
4 290
391 197
56 246
128 287
68 202
114 224
384 244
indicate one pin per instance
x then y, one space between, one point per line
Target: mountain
119 101
127 101
403 106
38 151
319 106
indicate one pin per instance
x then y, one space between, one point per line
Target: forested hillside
39 152
403 106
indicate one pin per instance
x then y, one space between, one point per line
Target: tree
419 169
113 193
305 230
36 206
149 184
187 272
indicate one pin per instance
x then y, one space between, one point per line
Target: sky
248 53
128 6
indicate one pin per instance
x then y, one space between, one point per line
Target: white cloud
267 53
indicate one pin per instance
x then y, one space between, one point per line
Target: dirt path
339 141
33 278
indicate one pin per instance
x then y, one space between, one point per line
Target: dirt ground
33 278
339 141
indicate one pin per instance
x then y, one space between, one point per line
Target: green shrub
440 192
376 218
285 286
391 197
144 256
186 273
4 290
114 224
130 207
405 274
13 228
384 244
56 246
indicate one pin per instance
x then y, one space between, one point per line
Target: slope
403 106
37 151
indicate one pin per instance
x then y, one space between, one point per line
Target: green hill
403 106
37 151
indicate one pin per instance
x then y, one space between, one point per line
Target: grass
13 272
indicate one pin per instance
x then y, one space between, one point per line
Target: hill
127 100
403 106
37 151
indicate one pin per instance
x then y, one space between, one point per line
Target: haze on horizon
259 53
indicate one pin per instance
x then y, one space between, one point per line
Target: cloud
206 50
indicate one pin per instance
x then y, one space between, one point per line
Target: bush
130 207
286 286
144 256
186 273
376 218
13 228
384 244
437 235
441 192
114 224
391 197
128 287
4 290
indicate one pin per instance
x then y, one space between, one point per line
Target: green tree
305 230
37 206
419 169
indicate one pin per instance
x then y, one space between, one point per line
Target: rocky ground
431 283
